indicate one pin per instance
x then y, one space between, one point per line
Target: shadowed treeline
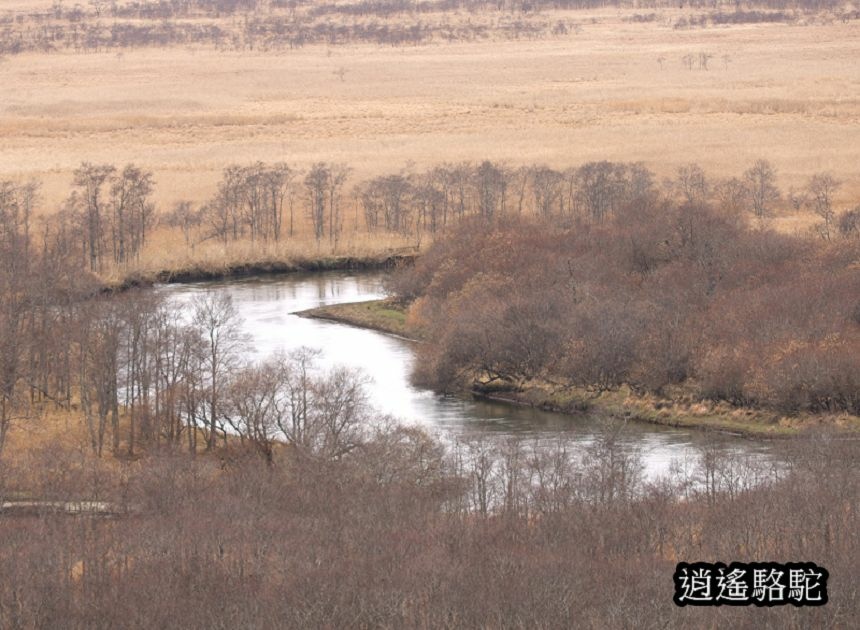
266 25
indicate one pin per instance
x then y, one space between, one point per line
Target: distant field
788 93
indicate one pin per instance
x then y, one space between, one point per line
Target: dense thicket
660 293
400 534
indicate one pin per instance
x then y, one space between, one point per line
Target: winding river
268 305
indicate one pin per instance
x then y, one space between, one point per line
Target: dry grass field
789 93
167 251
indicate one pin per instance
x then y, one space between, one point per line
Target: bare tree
132 211
760 183
849 223
704 60
16 292
612 471
491 182
341 412
136 371
338 174
98 6
89 201
430 200
600 187
279 189
251 202
100 336
390 197
546 190
692 183
255 401
176 351
821 189
185 217
688 60
317 185
220 325
322 415
731 193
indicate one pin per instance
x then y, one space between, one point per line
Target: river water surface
268 305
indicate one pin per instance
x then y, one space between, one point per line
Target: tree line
99 25
269 202
109 215
239 26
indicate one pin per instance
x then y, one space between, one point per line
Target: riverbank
386 316
203 272
682 411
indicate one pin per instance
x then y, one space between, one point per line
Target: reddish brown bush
672 294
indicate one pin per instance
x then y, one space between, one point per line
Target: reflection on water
267 306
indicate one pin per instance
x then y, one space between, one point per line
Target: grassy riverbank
169 257
198 272
385 316
679 410
683 411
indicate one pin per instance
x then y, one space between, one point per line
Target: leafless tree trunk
90 178
760 181
822 187
220 325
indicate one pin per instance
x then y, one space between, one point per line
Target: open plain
608 89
